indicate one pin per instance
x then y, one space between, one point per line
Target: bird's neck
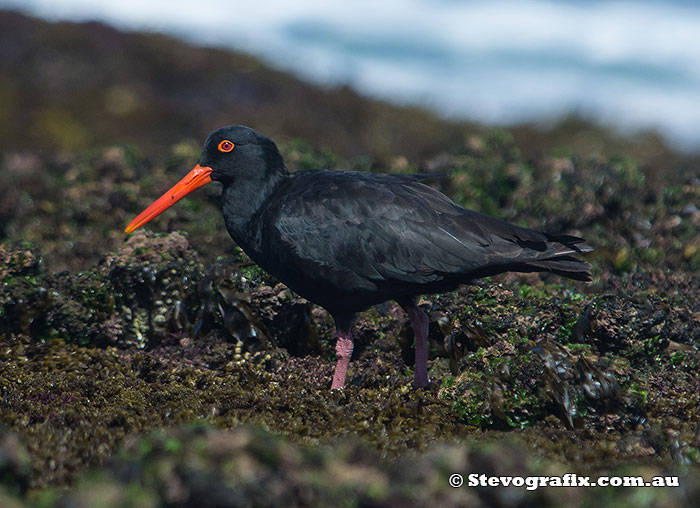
241 201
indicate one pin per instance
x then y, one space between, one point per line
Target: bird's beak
200 175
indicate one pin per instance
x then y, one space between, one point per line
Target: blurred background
630 66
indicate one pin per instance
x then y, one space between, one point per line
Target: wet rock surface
584 378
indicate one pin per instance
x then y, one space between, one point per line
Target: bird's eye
226 146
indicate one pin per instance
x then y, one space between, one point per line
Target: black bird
348 240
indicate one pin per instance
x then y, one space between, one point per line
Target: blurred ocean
632 65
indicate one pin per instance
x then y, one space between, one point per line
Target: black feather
350 240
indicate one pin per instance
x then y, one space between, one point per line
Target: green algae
155 335
592 369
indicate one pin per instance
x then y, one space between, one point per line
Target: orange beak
200 175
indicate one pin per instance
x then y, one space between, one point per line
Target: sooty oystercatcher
348 240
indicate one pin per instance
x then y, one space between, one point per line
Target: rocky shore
166 369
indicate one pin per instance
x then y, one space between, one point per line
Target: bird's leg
343 352
419 323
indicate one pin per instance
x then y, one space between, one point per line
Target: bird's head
231 154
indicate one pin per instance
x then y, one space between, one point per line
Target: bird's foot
420 379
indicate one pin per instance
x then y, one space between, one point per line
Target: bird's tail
562 260
566 266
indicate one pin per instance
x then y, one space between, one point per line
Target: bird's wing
387 228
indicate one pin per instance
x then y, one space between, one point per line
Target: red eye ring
226 146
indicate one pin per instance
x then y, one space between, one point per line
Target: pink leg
419 322
343 352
